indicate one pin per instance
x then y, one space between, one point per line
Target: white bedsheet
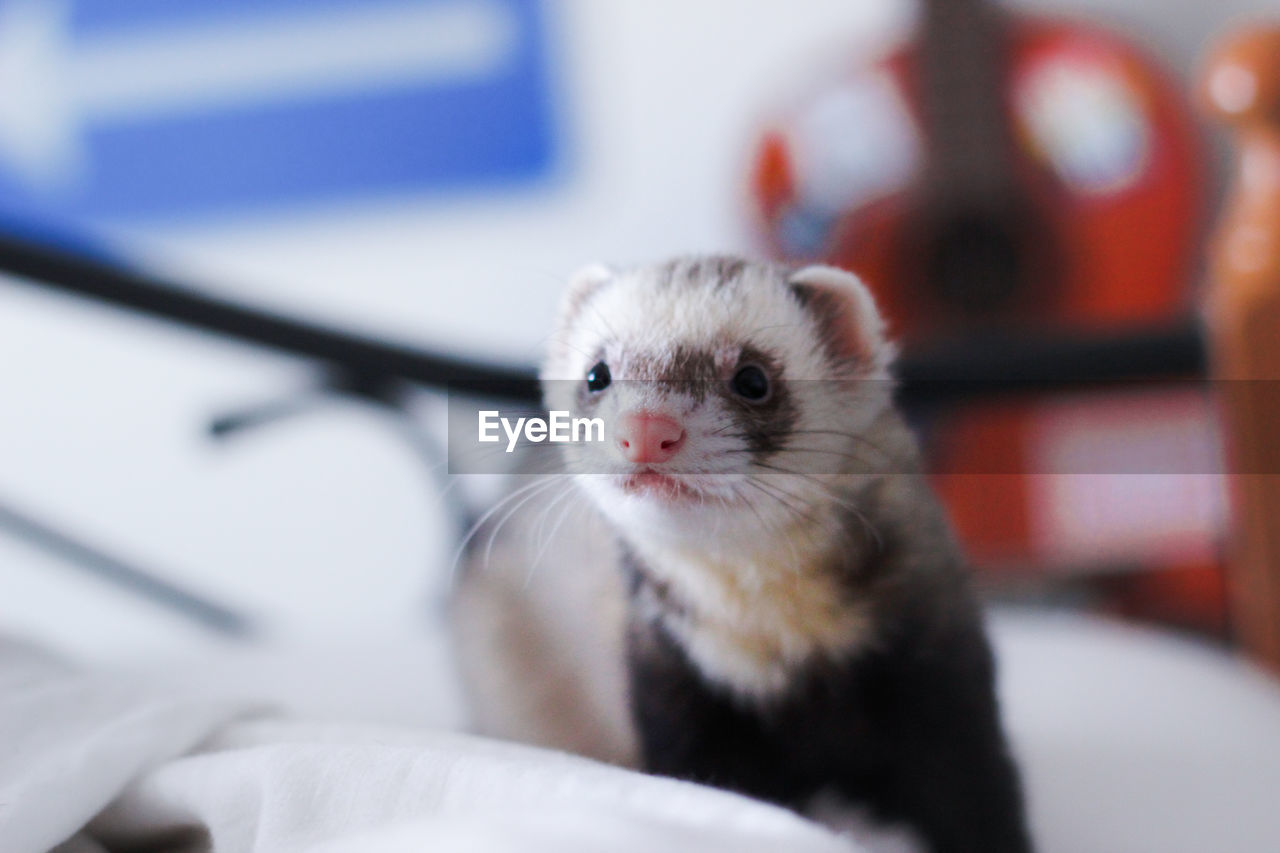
1130 741
94 759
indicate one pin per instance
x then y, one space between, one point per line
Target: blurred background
431 172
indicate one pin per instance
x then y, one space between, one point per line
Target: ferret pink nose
646 438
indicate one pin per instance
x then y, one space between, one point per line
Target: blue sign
127 111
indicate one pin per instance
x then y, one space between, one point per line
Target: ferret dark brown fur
798 618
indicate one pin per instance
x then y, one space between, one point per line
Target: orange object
1077 481
1241 86
991 128
1009 171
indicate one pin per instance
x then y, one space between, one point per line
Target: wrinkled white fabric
282 786
163 769
70 742
1130 741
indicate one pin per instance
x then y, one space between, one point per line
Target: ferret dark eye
598 378
750 383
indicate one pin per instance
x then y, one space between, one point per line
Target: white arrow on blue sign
133 110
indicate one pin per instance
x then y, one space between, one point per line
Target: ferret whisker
542 517
774 527
454 479
538 540
497 528
861 439
540 344
756 512
825 486
479 525
799 511
791 545
828 489
785 434
853 457
565 510
783 472
561 342
837 498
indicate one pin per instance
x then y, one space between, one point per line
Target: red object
1071 144
1104 151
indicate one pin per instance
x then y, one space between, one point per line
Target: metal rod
104 566
102 281
981 366
962 370
965 368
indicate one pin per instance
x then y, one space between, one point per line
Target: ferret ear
846 310
582 285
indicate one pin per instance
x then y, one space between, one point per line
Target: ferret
793 616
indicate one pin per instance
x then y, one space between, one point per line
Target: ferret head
734 394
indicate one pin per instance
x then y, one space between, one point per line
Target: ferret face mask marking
728 390
798 615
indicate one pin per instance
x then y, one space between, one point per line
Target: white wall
324 526
327 526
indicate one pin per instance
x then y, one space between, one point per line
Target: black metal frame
379 370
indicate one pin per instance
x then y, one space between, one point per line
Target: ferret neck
800 547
